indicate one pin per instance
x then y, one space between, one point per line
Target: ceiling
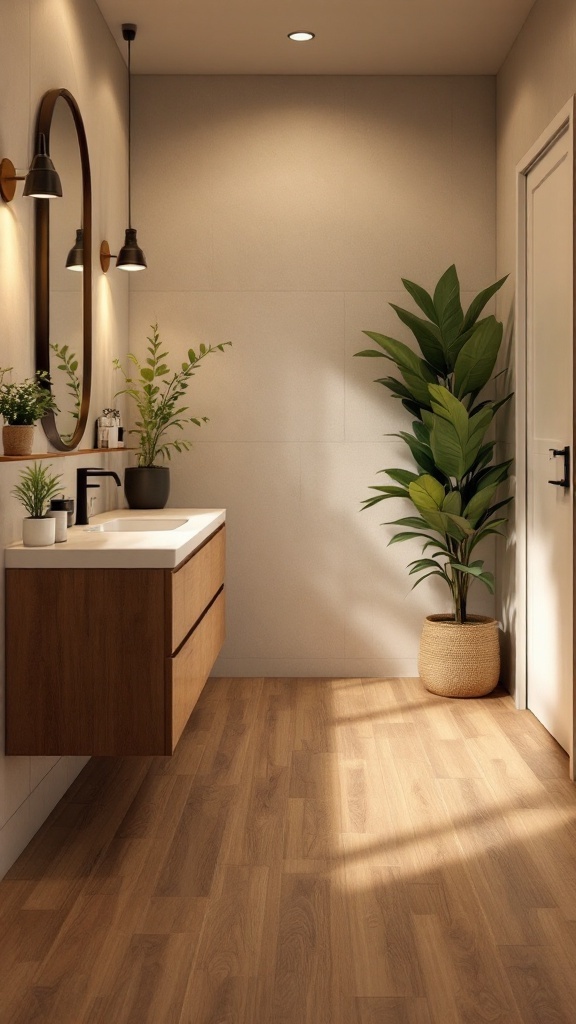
353 37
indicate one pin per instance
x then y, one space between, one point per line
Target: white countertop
88 547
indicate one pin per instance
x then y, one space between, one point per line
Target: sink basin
140 525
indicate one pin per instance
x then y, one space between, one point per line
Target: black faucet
82 486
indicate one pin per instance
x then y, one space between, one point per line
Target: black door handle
565 454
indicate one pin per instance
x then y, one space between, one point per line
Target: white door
549 506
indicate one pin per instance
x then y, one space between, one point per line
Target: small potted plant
22 405
158 393
453 487
35 491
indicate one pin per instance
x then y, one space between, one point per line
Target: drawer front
189 670
194 585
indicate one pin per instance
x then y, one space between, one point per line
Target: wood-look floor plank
150 983
543 990
316 852
392 1010
273 738
303 984
314 731
224 753
262 806
385 960
508 881
192 854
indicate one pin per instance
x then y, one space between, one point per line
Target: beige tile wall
281 213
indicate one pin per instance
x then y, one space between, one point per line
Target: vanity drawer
194 585
190 668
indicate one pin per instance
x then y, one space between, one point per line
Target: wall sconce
105 257
130 256
75 258
40 182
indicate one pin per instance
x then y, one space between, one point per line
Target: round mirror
64 272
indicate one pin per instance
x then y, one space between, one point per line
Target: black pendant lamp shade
130 256
42 180
75 258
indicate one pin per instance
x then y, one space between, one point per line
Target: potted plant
453 488
22 405
36 489
158 393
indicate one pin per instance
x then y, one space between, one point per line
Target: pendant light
130 256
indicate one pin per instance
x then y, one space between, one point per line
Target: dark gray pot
147 486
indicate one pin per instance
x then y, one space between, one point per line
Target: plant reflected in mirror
69 382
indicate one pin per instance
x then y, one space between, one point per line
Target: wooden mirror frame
42 271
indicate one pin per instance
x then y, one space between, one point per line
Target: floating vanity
111 636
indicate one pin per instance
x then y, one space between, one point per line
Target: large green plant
453 489
158 393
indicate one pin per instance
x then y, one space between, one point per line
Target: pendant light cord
129 138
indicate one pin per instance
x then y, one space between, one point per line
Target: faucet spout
82 487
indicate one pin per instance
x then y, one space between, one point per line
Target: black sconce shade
42 180
75 258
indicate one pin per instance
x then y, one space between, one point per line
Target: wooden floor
316 852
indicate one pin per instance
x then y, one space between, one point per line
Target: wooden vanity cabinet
110 661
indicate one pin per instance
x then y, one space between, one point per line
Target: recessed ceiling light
301 37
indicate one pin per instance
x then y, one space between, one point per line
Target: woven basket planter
18 439
459 660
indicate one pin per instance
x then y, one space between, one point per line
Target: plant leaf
436 572
477 304
456 438
401 476
398 538
474 570
427 493
478 504
421 453
421 433
423 300
427 336
477 358
420 564
414 521
448 307
447 524
453 503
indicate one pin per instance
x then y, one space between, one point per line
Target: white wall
47 44
280 214
536 80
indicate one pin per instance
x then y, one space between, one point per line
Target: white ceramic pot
38 533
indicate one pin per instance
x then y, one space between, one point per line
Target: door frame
562 124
